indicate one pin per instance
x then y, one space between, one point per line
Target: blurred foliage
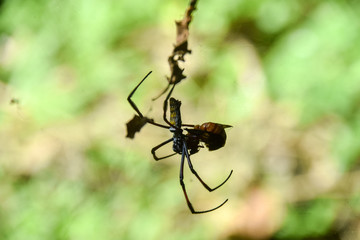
285 74
314 219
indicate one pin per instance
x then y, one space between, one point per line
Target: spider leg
133 105
188 125
153 150
164 91
196 174
184 189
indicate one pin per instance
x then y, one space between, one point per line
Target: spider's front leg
133 105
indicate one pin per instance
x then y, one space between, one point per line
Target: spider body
212 134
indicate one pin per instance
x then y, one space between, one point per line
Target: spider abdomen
175 116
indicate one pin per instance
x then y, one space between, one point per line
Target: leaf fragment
135 125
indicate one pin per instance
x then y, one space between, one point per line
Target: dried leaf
135 125
180 48
182 32
181 45
176 72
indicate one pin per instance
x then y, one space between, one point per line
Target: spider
211 134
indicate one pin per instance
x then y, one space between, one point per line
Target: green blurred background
284 73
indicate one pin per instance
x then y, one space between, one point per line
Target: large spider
211 134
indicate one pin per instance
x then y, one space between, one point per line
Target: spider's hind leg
185 149
193 211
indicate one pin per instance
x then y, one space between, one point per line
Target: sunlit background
285 74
